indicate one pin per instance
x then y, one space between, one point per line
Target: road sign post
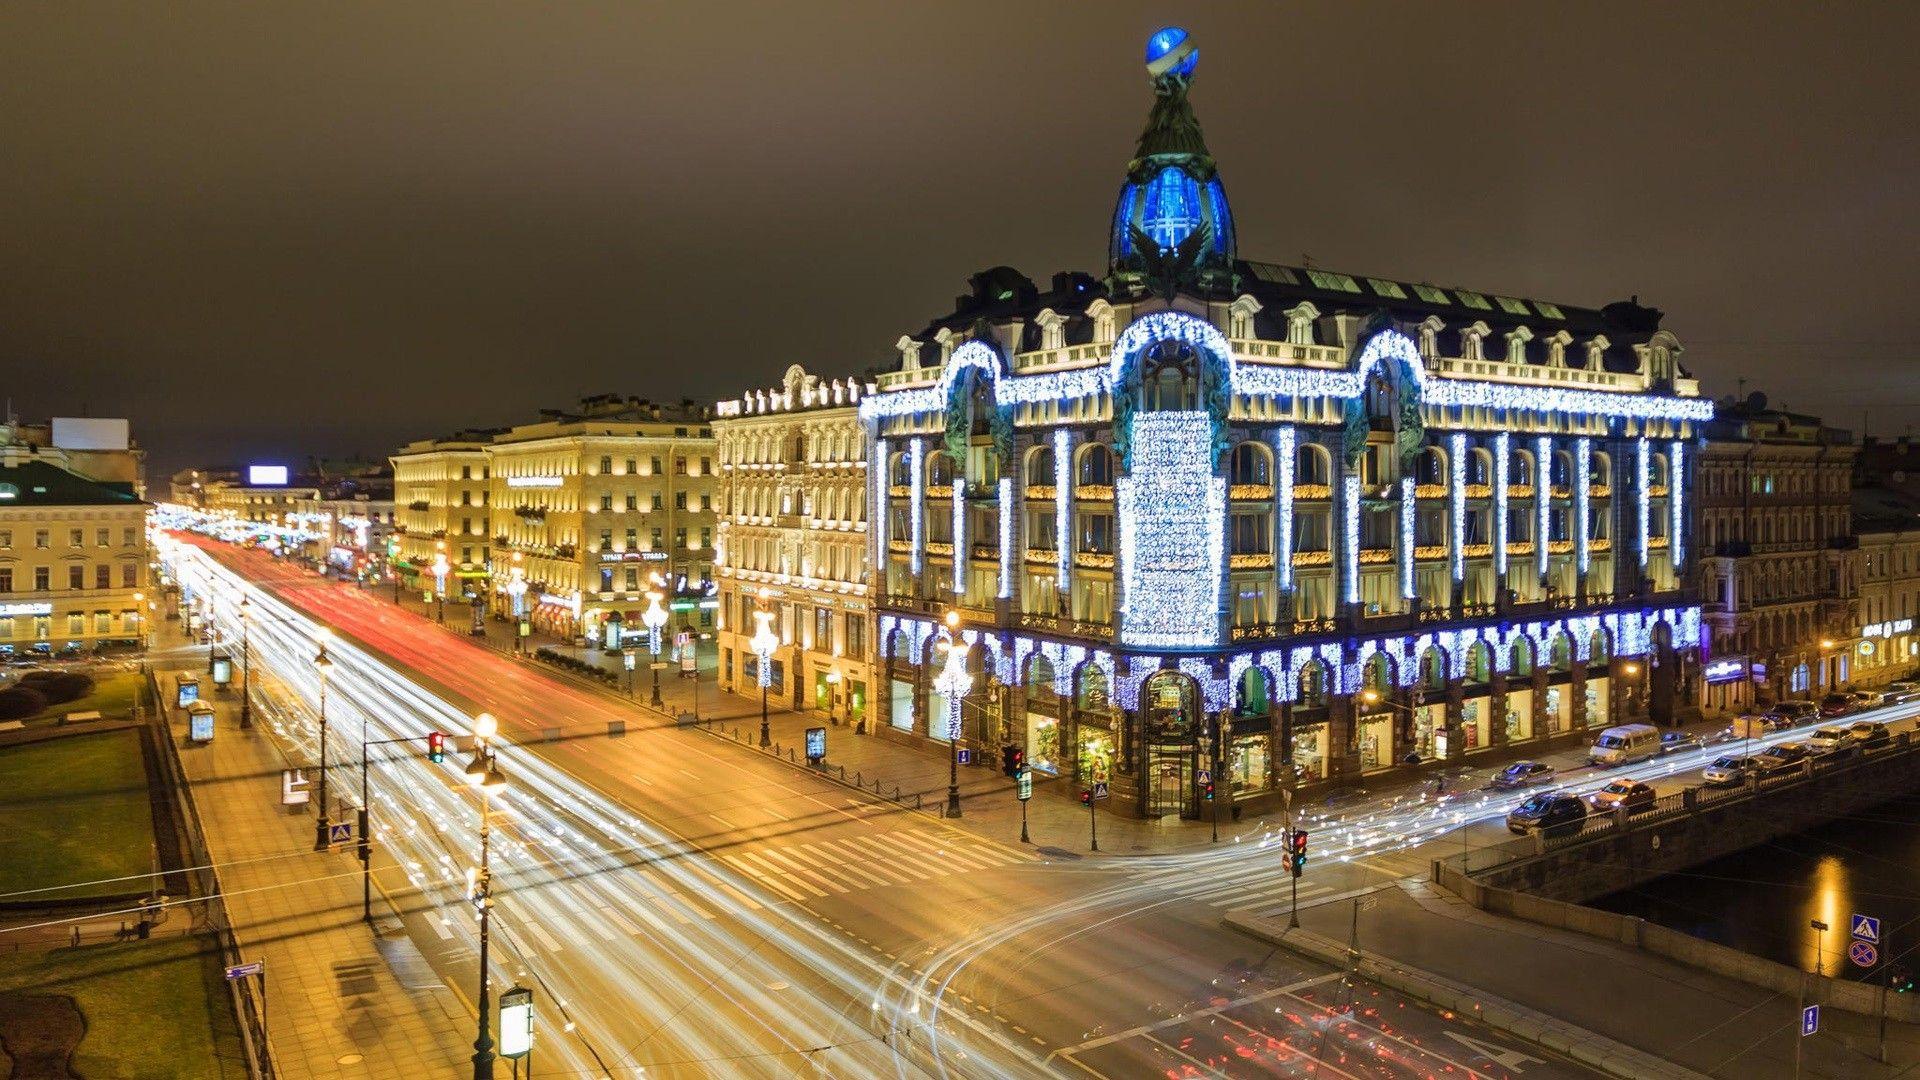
1023 788
248 970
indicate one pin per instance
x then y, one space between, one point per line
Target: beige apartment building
793 524
440 493
73 557
589 506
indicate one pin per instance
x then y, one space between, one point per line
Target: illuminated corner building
596 501
351 521
1782 597
440 505
73 545
793 542
1326 520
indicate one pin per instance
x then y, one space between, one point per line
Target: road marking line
783 873
766 878
613 915
440 927
884 869
749 902
724 823
795 867
546 939
1146 1029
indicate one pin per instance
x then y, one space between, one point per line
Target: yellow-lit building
595 503
440 491
73 558
793 526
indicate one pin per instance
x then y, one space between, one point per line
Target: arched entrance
1171 725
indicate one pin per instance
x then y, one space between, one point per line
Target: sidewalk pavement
335 1005
1545 985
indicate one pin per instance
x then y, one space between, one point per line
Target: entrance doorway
1169 779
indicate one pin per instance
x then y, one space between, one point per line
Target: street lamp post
654 617
763 644
246 700
321 666
483 772
954 681
517 588
440 568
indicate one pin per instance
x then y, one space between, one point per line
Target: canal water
1763 900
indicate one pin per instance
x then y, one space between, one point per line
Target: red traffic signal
1299 842
1297 851
1013 760
1086 796
436 746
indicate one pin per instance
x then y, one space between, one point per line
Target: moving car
1675 741
1869 735
1729 771
1791 713
1868 699
1522 774
1830 740
1550 812
1632 794
1837 704
1624 744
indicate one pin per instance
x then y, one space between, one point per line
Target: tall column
1063 449
1456 520
1542 507
1284 448
1502 461
1582 508
917 513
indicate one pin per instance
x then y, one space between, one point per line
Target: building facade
1777 558
1272 525
591 506
1887 526
793 543
441 491
73 559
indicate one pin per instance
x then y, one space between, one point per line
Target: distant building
793 542
440 500
1774 518
73 544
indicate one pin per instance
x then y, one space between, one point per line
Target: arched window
1040 691
1378 675
1250 696
1251 464
1522 656
1096 465
1480 466
939 469
1313 685
1562 659
1312 465
1479 663
1170 377
1433 669
900 471
1600 470
1040 466
1562 474
1431 468
1522 469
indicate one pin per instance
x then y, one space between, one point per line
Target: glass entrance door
1169 781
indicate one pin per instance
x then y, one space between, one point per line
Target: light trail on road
765 990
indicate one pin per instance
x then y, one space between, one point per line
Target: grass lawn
113 697
156 1008
75 809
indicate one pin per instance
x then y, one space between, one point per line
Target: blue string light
1171 508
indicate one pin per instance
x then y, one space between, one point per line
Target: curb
1593 1050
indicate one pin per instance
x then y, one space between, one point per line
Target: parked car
1551 812
1837 704
1672 742
1632 794
1784 756
1870 735
1792 713
1523 774
1868 699
1831 740
1624 744
1895 693
1729 771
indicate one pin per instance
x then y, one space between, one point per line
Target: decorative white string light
1062 494
1542 500
1582 480
1350 551
916 494
1283 452
1457 503
1171 508
1406 537
1006 537
1641 495
1501 457
1676 501
962 555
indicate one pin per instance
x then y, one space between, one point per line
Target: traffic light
1013 760
1206 788
1900 979
1086 796
436 746
1297 852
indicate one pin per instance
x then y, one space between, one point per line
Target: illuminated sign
266 475
1887 629
7 610
200 723
1725 669
633 556
535 481
516 1022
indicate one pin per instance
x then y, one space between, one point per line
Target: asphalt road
697 909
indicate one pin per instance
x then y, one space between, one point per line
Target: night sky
267 231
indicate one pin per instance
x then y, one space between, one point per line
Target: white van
1624 744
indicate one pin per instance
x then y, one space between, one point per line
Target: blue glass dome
1168 206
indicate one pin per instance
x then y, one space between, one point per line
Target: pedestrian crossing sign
1100 790
341 833
1866 928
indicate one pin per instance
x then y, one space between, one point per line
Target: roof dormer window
1300 323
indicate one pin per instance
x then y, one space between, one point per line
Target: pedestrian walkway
335 1006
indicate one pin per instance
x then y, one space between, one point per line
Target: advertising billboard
266 475
90 433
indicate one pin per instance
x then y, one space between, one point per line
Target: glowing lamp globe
1170 52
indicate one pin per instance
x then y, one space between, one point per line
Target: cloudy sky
271 230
